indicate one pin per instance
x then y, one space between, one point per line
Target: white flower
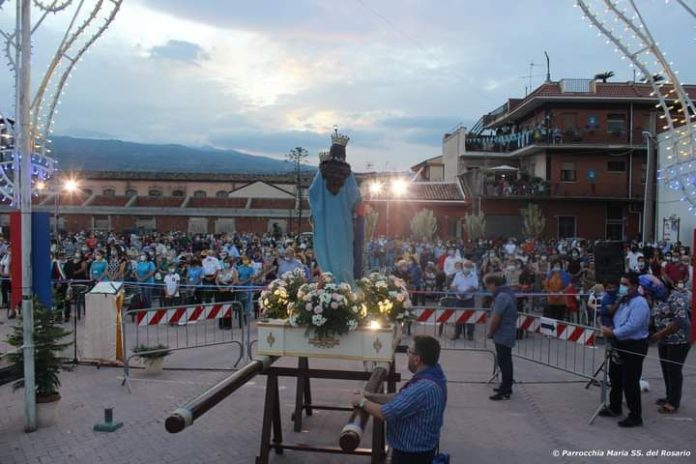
318 310
325 298
308 306
352 324
307 297
407 304
334 305
336 297
318 320
293 320
400 297
345 287
355 309
392 294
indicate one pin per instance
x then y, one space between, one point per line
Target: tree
604 76
47 364
371 220
424 224
297 156
475 225
534 220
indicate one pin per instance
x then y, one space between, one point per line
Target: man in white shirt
465 284
510 247
450 263
632 258
211 266
171 287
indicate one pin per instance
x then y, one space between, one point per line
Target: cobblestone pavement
549 411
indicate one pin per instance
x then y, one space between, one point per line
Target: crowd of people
651 301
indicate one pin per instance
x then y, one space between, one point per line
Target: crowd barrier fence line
182 327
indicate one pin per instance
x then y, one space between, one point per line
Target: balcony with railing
555 138
486 185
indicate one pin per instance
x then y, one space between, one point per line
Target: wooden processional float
375 347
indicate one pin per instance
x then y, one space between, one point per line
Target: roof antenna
548 67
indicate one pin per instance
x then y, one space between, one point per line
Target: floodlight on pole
375 188
399 187
71 186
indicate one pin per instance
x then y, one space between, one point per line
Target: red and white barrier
443 315
557 329
183 315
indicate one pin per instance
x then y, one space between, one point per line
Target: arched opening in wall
222 194
177 193
109 192
199 194
154 193
130 193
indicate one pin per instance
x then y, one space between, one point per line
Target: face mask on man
623 290
680 285
142 258
467 271
557 269
171 270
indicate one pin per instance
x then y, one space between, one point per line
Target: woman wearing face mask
672 332
225 281
98 268
144 274
555 284
172 281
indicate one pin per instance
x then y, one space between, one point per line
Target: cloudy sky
268 75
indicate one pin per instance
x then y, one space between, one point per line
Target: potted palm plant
153 357
47 363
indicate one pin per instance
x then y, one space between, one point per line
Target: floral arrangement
281 294
326 308
385 297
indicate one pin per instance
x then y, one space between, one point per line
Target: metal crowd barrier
179 328
561 345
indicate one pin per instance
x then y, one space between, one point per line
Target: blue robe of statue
332 217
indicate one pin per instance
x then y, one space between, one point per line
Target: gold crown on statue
338 138
323 156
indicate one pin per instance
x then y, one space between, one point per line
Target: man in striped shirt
414 416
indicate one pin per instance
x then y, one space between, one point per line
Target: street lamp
398 189
71 185
375 188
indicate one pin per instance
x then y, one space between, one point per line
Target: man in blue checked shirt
414 415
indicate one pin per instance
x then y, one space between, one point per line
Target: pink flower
334 305
318 310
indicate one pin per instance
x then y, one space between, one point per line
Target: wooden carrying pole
184 416
352 432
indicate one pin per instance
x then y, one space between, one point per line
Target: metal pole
388 217
25 147
647 195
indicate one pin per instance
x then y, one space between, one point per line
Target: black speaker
609 261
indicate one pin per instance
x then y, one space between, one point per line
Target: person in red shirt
675 271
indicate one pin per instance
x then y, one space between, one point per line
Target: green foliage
371 220
534 221
47 347
475 225
160 351
424 224
604 76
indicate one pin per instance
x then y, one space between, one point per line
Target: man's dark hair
428 348
494 278
632 277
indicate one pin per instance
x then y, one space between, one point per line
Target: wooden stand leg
271 410
277 426
391 385
299 394
304 364
378 441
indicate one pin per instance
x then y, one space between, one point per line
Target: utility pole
23 150
297 156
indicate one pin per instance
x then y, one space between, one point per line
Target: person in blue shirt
415 414
144 273
607 304
98 268
194 279
631 321
246 274
503 330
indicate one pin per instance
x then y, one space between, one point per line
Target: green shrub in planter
47 347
